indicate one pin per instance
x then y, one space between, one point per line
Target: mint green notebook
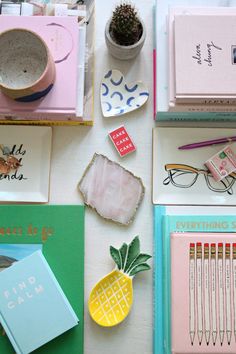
33 307
59 229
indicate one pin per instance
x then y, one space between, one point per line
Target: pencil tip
207 343
214 344
228 343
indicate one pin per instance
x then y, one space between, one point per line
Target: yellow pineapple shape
111 299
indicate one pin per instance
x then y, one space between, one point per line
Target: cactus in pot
125 32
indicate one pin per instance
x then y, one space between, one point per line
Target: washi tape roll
27 69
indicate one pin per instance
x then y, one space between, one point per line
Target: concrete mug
27 69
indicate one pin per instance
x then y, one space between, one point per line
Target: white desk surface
73 148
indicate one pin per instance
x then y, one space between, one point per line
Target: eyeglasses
185 176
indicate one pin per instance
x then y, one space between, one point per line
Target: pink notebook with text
190 11
61 36
207 55
203 293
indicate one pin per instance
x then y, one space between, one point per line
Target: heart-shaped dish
118 97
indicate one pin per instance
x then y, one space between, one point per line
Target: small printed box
122 141
222 163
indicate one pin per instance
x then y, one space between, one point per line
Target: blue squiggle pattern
117 83
118 94
131 89
108 74
109 106
129 100
121 110
117 97
105 93
144 94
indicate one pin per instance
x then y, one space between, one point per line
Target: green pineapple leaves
140 259
116 256
123 252
129 259
133 252
139 268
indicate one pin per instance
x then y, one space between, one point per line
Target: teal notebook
164 224
59 231
33 307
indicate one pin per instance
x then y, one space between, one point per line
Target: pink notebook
173 12
203 293
61 36
207 55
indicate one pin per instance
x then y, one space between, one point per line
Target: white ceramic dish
32 147
119 97
180 176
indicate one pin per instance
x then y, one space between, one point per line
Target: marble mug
27 69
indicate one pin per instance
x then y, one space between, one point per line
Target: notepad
203 274
33 307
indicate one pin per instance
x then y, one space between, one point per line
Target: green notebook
60 231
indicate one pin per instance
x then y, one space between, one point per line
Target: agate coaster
114 192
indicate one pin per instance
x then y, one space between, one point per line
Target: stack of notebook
194 210
194 280
67 36
41 279
194 78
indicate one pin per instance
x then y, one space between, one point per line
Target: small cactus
125 27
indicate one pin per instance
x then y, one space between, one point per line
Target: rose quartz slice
114 192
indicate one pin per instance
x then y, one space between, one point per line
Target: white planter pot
121 51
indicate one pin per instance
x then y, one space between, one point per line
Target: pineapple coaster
111 299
